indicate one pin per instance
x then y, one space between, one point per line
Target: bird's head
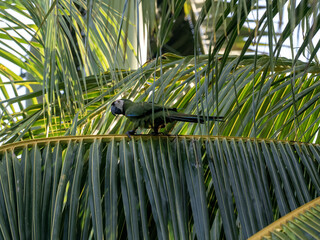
117 107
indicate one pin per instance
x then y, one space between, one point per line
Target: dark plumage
141 115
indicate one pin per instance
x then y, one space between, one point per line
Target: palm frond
301 223
164 186
274 103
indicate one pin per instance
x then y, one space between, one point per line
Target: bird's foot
131 133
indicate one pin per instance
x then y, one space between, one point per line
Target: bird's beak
115 110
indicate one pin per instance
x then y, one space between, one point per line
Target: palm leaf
274 104
301 223
168 186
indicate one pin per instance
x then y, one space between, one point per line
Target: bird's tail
193 118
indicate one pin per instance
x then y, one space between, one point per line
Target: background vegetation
253 62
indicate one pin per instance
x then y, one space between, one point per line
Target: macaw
141 115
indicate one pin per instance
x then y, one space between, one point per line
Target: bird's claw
130 133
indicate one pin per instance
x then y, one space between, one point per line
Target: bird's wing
143 109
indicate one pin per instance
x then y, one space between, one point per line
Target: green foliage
260 96
171 81
77 61
169 187
299 223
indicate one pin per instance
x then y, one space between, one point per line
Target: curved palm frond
107 186
239 89
300 223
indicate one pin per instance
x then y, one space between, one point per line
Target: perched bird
142 115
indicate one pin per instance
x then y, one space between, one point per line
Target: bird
148 115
